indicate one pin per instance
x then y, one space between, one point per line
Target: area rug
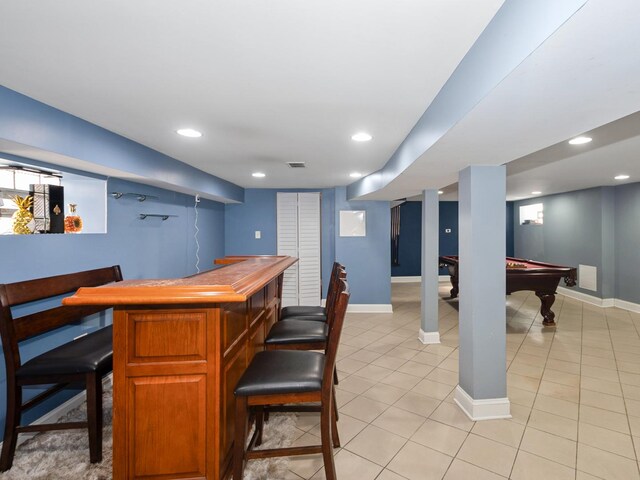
65 454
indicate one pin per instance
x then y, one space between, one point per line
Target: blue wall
627 235
510 229
368 275
571 233
143 248
367 259
448 241
258 212
409 249
411 236
596 226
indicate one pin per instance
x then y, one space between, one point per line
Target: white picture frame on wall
353 223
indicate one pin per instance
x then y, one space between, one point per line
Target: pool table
542 278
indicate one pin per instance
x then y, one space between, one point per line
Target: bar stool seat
293 332
282 371
304 311
310 312
306 318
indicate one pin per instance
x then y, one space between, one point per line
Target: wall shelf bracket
141 197
159 215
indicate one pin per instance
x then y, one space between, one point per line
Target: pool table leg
454 283
547 299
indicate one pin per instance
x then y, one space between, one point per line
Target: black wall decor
48 208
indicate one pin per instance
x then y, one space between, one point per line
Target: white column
482 391
430 245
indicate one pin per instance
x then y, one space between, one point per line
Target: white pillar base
429 337
485 409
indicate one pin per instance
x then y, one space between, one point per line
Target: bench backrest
14 330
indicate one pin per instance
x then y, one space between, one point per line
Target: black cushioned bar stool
315 312
278 377
296 333
304 332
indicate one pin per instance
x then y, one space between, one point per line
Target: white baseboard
586 298
61 410
485 409
417 279
428 337
567 292
597 301
370 308
632 307
366 307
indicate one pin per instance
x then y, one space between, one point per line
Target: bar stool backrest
338 274
335 330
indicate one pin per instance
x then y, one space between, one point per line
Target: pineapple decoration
22 218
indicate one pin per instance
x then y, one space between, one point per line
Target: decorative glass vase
72 222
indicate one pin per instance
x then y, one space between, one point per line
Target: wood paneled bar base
179 348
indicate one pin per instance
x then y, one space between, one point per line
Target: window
532 214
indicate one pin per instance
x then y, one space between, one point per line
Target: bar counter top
235 281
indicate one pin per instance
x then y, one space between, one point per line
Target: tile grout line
579 386
539 383
624 399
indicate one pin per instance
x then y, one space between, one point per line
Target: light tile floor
574 391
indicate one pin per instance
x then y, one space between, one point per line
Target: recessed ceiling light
536 193
355 175
258 175
580 140
621 177
189 132
440 192
361 137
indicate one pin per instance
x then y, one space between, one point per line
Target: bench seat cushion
91 353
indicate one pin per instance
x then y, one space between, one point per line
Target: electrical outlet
197 198
258 235
447 230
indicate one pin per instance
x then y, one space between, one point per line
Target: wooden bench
85 359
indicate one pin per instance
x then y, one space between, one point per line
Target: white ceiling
582 77
271 82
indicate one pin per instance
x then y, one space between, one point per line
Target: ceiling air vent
296 164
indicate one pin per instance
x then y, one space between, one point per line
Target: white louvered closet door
287 226
298 222
309 282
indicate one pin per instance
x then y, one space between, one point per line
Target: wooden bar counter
180 346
